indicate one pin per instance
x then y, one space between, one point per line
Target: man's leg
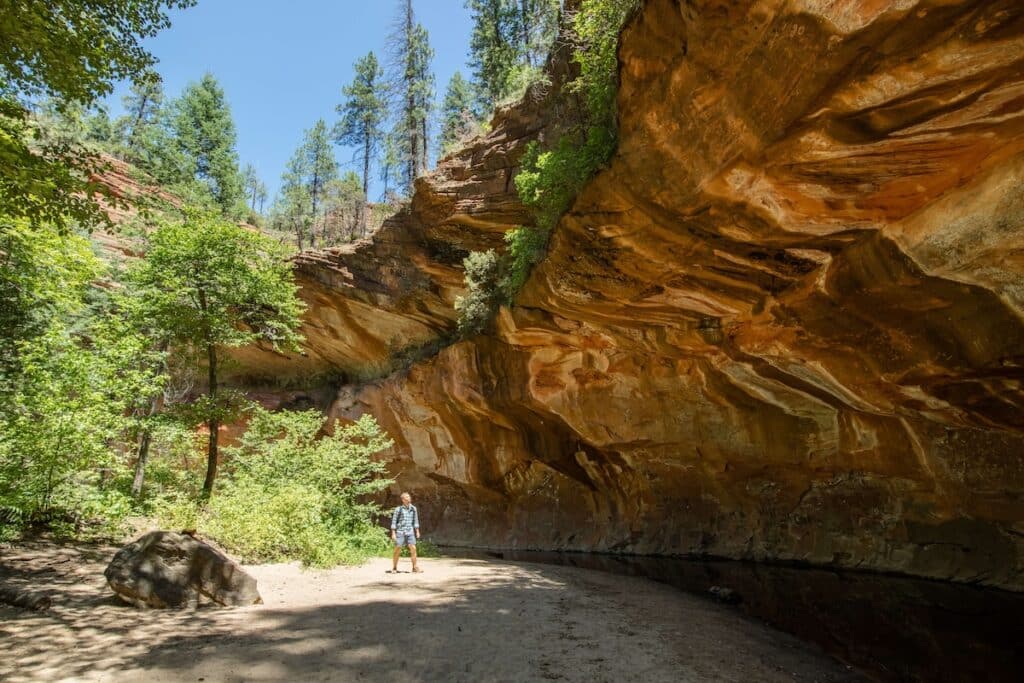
412 551
394 561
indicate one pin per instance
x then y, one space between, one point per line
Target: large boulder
164 569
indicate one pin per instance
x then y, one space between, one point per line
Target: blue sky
283 64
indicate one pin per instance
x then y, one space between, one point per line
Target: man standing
405 529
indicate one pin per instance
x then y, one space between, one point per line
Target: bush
291 494
477 307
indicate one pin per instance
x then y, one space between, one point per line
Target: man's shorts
404 538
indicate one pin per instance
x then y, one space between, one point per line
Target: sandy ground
461 620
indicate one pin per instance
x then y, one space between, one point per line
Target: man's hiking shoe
417 570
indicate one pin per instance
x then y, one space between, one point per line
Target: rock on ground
166 569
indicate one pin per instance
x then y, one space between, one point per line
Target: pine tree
306 178
205 132
457 117
390 166
363 114
413 83
255 190
491 50
537 27
510 40
142 105
345 208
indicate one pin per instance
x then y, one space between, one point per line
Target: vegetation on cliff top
550 179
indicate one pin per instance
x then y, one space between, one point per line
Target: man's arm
394 522
416 521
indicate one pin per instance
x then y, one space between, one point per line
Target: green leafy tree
69 379
209 285
458 119
72 51
293 493
412 83
363 114
205 132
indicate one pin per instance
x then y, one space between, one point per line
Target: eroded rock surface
785 323
170 570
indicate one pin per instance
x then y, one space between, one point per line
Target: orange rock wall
784 323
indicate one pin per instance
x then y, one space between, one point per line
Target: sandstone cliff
786 322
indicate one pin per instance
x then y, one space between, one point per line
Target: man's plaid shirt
405 518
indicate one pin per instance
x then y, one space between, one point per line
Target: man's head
406 499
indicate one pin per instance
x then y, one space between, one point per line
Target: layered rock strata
786 322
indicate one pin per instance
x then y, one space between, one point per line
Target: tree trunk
524 24
366 180
132 139
424 165
140 462
213 424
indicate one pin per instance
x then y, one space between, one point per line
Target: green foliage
458 121
525 247
483 296
509 42
205 133
345 211
311 170
72 369
72 51
206 281
207 285
292 494
412 82
363 114
146 136
597 27
44 179
76 49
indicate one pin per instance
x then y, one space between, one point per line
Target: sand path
461 620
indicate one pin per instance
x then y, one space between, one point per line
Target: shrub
292 494
477 307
